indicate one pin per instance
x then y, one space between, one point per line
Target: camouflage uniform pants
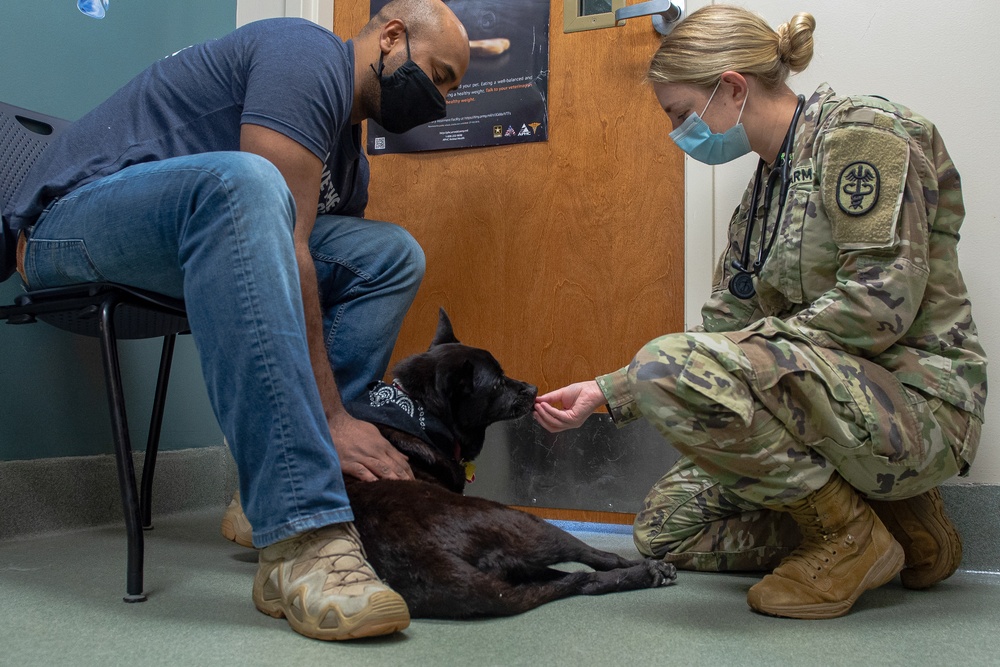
763 420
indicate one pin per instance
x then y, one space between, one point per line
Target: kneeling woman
837 378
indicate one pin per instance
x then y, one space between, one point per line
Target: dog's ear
444 332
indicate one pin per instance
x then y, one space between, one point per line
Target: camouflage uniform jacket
865 260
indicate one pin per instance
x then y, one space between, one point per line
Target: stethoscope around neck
741 284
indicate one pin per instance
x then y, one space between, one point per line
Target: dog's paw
663 574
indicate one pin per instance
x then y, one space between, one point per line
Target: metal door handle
663 13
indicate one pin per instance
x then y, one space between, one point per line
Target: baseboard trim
980 530
61 494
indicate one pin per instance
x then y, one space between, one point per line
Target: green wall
55 60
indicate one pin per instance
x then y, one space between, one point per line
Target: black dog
454 556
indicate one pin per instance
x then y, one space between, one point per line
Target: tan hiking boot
845 551
930 540
235 524
321 582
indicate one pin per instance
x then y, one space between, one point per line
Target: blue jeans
216 230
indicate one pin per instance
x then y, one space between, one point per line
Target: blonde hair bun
795 41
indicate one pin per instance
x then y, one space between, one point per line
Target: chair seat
76 308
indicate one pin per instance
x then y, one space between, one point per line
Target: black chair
104 310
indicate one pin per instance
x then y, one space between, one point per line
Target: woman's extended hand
575 403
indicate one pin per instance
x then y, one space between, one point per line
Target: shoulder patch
864 173
858 188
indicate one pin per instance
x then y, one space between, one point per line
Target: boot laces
819 550
346 562
340 554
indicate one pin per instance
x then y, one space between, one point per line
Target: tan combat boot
235 525
322 583
845 551
930 540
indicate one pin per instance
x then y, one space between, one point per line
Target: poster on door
503 97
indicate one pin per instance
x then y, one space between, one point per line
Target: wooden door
561 257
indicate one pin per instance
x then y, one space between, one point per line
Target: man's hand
364 453
578 401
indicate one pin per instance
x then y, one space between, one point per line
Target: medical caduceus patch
864 173
857 188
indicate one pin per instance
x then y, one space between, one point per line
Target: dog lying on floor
456 556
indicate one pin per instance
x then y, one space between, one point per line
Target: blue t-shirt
289 75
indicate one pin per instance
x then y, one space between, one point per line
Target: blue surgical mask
695 138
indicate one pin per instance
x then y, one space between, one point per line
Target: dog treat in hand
488 48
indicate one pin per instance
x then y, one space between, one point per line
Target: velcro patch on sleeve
864 172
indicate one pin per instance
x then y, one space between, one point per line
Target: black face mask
409 97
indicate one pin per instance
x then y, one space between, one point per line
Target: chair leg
155 424
123 453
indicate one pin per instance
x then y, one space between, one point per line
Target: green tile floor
60 604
